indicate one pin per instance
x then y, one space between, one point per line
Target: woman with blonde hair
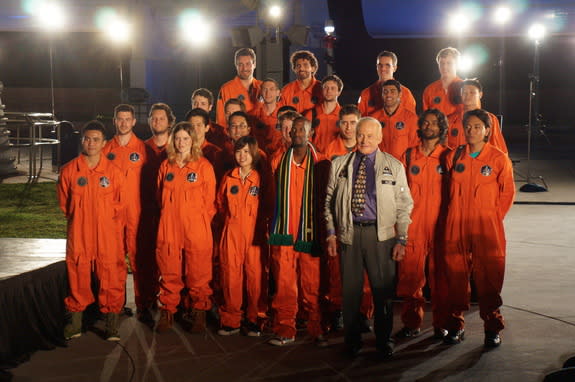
186 194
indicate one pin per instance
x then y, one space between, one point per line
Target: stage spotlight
536 32
194 27
51 16
118 31
458 23
502 15
329 28
275 12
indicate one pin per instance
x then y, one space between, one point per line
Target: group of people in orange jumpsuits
228 216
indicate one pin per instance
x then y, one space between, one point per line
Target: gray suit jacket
394 202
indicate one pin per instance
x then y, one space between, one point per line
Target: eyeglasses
243 126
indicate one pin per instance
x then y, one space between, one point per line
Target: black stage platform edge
32 314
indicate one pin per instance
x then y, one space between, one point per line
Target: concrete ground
538 307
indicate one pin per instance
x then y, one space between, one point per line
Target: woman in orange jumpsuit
481 194
186 193
238 200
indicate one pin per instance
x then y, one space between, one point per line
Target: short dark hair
198 112
441 122
252 144
239 114
472 82
286 108
203 92
95 126
392 83
349 109
303 55
387 53
124 107
235 101
269 79
482 115
335 79
166 108
248 52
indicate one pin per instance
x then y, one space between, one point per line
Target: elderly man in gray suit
367 212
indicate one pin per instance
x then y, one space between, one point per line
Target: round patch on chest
254 191
241 97
295 100
104 182
460 167
454 132
234 189
399 125
192 177
170 176
82 181
111 156
486 170
134 157
437 100
415 170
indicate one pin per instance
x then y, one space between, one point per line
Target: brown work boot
165 322
198 321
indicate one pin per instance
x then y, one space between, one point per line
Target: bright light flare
465 63
502 15
194 27
49 15
275 12
458 23
536 32
329 28
119 31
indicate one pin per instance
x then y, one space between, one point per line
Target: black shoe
365 325
145 317
454 337
492 340
386 349
439 333
406 332
352 350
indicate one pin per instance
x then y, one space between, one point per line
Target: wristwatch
401 240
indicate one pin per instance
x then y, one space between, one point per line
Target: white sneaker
281 341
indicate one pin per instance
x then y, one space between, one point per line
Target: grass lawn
31 212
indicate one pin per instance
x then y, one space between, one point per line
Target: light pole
502 15
536 33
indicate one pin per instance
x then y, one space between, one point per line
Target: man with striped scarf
297 233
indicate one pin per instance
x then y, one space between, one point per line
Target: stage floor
538 308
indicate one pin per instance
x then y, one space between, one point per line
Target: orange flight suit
265 128
235 89
336 148
297 272
217 135
187 200
324 126
240 252
130 159
90 200
371 100
456 134
302 99
481 193
148 228
435 97
399 131
426 176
